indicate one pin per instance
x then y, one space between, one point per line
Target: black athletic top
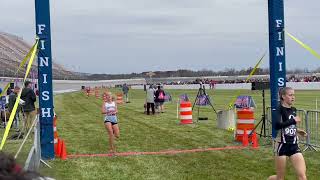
287 125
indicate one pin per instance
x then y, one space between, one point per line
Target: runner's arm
282 124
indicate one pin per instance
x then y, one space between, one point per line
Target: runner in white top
109 108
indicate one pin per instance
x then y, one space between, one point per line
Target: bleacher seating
12 51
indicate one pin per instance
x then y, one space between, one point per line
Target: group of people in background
26 106
154 100
285 145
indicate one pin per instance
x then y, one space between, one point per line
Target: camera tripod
262 121
202 92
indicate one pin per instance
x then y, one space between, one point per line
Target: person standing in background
12 100
125 90
150 100
159 98
29 97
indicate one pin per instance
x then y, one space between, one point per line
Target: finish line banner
276 54
45 78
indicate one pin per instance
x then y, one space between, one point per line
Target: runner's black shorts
285 149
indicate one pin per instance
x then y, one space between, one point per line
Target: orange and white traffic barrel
245 121
185 112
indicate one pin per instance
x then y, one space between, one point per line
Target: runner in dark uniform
287 139
286 143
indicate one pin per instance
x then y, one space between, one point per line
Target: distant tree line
190 73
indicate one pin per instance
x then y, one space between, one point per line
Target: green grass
80 124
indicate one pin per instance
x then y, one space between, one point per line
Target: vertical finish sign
42 9
277 54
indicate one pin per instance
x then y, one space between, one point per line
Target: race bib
290 131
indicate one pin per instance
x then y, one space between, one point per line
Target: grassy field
80 124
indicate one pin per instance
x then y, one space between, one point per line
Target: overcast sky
124 36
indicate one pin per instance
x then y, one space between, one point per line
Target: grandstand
12 51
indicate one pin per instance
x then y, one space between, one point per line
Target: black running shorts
284 149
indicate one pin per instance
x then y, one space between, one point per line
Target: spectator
1 113
88 91
159 99
29 98
125 90
150 100
12 100
9 91
10 170
8 167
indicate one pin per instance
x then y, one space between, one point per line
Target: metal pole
26 137
5 116
264 113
